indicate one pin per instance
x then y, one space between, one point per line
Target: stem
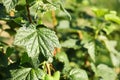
52 68
28 12
48 68
10 60
100 27
54 18
96 34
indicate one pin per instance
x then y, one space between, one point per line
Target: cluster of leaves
31 51
89 40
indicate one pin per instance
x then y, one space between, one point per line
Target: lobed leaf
36 41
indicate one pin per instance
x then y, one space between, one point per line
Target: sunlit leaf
37 41
99 12
49 77
112 17
56 75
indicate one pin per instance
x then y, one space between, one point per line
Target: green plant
43 44
37 42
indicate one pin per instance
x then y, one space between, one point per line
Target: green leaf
105 72
91 49
9 51
114 54
78 74
24 58
56 75
111 45
18 20
63 9
40 8
22 2
9 4
36 41
112 17
115 59
27 74
87 37
64 24
70 43
62 57
99 12
93 67
109 29
48 77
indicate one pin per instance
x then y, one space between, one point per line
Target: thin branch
48 68
28 12
10 60
54 18
52 67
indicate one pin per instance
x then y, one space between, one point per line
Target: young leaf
99 12
56 75
48 77
36 41
112 17
9 4
27 74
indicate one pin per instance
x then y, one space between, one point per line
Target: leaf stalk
28 11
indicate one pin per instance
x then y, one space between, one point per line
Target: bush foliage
58 40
